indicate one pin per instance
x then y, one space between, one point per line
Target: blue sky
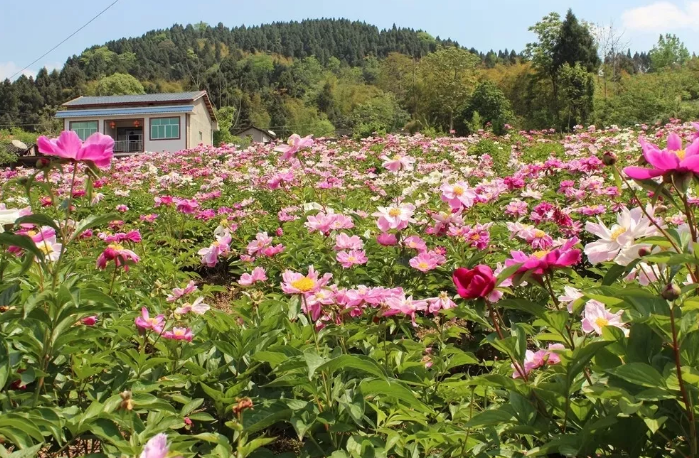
32 27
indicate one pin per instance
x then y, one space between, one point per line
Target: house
149 122
258 135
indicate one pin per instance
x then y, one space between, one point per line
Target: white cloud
7 69
662 16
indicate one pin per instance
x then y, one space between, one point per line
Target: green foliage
119 84
226 120
488 104
669 52
577 88
379 114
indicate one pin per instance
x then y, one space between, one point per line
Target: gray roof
134 99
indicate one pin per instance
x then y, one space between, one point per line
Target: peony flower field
532 294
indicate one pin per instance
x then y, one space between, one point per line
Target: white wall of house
149 144
200 126
256 135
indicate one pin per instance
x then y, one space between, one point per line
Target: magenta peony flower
296 283
673 159
387 239
545 261
118 254
97 149
474 283
145 322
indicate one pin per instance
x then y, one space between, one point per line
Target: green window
84 128
164 128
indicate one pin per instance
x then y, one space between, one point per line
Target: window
84 128
164 128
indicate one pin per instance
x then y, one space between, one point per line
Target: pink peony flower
294 144
345 242
97 149
387 239
179 334
262 240
156 447
145 322
673 159
398 162
545 261
535 360
297 283
348 259
426 261
258 275
416 243
198 307
596 317
396 217
441 302
117 253
179 292
458 195
209 256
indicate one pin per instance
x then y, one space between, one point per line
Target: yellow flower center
458 190
541 254
616 233
31 233
539 234
304 284
397 157
179 332
153 321
681 154
394 212
216 243
423 265
352 259
475 236
116 246
224 223
45 248
601 322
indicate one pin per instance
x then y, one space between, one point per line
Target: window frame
96 121
179 129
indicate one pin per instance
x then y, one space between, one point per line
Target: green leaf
313 361
359 362
392 389
21 241
582 356
39 220
491 418
90 222
639 374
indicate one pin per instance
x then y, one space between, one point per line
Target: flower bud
243 404
643 251
609 158
42 162
671 292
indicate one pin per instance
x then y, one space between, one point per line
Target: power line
68 38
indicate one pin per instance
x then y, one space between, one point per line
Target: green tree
448 77
577 95
226 121
542 52
575 45
380 114
119 84
491 105
667 53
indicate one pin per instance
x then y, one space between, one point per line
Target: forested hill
349 41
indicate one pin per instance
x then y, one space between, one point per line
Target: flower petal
640 173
